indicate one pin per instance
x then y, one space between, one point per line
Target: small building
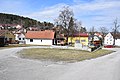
108 40
7 37
18 26
60 39
2 39
40 37
117 40
98 34
33 28
20 38
1 27
80 37
95 40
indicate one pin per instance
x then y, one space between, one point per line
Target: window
19 38
10 39
23 38
41 40
77 41
31 40
83 40
6 39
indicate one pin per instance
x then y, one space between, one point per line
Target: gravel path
15 68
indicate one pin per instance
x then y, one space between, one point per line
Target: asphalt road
14 68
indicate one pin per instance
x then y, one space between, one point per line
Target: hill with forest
24 21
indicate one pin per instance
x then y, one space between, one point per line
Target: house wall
96 38
20 38
117 42
16 37
10 37
108 40
39 42
83 40
2 41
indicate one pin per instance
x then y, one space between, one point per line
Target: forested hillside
25 21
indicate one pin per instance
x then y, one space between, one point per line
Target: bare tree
66 20
115 30
103 30
92 32
71 24
79 25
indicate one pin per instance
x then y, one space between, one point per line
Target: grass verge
61 54
14 45
17 45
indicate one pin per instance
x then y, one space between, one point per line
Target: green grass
61 54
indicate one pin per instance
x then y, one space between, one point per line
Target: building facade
40 37
108 40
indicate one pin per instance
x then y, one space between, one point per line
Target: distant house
40 37
117 40
20 38
2 38
10 26
33 28
95 40
18 26
60 39
98 34
6 37
109 40
1 27
80 37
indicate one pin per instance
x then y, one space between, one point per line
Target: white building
20 37
18 26
40 37
117 40
108 40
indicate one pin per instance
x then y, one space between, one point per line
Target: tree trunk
114 42
67 40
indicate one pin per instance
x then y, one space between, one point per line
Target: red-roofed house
40 37
80 37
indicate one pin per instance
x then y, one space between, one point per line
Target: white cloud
47 14
92 6
102 5
98 13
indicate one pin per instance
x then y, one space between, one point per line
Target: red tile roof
81 35
47 34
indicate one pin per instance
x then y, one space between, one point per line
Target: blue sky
95 13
